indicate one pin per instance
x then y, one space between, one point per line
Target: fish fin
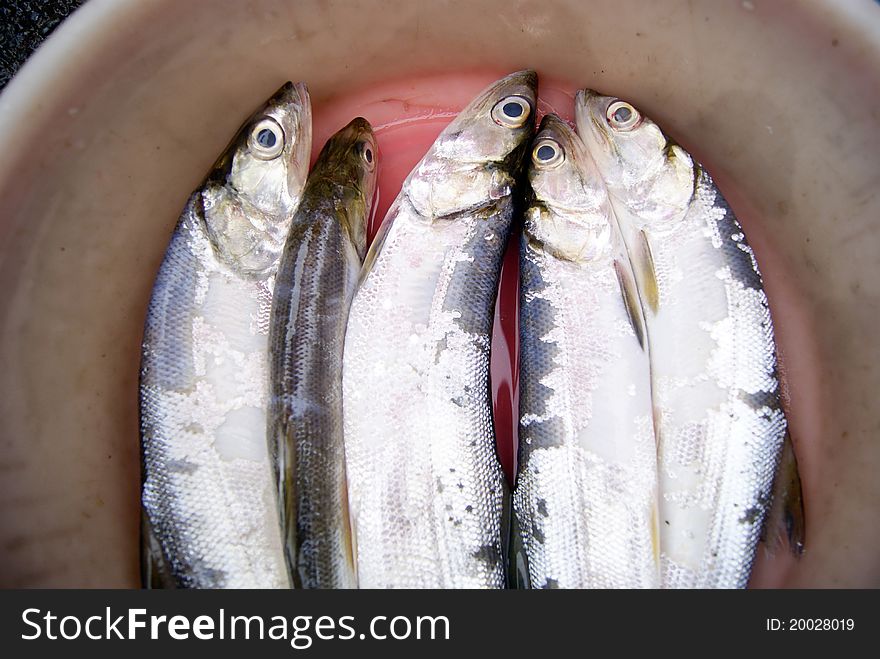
518 562
349 544
656 418
785 522
286 491
630 301
645 264
155 571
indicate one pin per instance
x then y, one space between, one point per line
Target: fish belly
427 492
208 493
586 493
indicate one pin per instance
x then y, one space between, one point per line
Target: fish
208 492
316 280
427 494
715 382
586 491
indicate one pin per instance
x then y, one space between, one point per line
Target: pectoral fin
785 523
644 261
631 301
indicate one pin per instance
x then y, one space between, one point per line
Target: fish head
479 155
270 155
254 188
349 162
569 215
640 165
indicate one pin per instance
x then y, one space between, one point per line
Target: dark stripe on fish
537 319
310 309
734 246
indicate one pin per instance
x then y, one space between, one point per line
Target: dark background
23 26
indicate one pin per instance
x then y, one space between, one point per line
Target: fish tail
156 573
517 559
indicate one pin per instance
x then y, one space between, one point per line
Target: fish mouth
558 130
553 133
527 77
521 83
554 126
289 98
360 129
294 99
291 95
590 107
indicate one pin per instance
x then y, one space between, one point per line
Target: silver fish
713 359
316 280
427 492
209 501
586 491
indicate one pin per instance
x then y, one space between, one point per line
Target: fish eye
623 116
511 112
548 153
266 140
368 154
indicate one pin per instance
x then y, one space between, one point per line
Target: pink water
407 116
